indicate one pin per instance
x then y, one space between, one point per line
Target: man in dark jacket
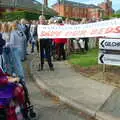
45 47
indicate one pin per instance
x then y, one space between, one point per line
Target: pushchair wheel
3 114
32 114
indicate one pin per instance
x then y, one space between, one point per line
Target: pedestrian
60 44
86 40
45 47
86 43
22 28
16 41
33 34
27 33
82 44
6 30
76 45
2 43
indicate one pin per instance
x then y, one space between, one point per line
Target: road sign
109 44
109 59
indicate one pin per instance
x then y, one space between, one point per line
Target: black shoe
41 68
51 69
64 58
58 59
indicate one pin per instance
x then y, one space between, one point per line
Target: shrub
17 15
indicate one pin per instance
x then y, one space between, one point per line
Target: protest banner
97 29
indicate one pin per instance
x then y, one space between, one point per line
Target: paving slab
71 86
111 109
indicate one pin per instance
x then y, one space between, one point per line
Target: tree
118 11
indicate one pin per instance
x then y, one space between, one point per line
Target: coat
60 40
2 43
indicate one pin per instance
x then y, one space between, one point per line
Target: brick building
79 10
10 5
30 5
107 7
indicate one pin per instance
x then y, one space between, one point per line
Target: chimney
46 3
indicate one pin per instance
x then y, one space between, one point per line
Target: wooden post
104 66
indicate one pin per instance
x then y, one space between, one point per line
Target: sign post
109 52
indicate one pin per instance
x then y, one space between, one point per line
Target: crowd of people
16 36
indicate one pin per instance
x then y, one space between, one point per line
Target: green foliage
116 15
17 15
106 18
118 11
85 60
110 17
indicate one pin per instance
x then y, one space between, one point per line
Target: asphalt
90 97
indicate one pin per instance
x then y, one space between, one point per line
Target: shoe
41 67
32 51
27 53
51 69
58 59
64 58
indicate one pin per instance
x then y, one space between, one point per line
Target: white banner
103 28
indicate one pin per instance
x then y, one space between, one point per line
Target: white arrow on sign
109 59
109 44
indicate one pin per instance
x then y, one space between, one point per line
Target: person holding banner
60 44
45 47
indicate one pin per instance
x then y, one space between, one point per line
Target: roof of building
76 4
27 4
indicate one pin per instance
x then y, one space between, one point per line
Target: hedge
113 16
116 15
17 15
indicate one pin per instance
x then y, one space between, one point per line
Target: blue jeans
16 58
33 45
8 66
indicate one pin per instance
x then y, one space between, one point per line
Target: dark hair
60 21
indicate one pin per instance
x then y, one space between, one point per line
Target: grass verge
85 60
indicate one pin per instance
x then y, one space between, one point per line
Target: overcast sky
116 3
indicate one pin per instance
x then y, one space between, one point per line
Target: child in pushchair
14 99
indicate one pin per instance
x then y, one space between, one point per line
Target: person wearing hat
45 47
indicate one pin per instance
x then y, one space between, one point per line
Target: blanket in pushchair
6 93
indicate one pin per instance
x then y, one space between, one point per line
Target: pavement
45 107
88 96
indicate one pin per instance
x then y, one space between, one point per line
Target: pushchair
14 107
